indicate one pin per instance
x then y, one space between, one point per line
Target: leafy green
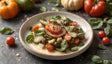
68 20
63 45
51 0
29 38
6 31
55 9
58 3
109 22
73 27
39 32
80 34
106 62
94 21
107 29
96 59
58 17
43 9
75 48
30 28
100 46
48 37
81 43
98 26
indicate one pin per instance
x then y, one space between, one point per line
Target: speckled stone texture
8 54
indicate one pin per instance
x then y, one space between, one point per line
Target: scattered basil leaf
106 62
100 46
6 31
63 45
98 26
29 38
109 21
96 59
39 32
94 21
51 0
58 3
55 9
43 9
107 29
58 17
74 48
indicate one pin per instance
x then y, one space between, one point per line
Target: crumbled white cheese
17 54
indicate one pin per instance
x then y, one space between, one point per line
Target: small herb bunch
99 22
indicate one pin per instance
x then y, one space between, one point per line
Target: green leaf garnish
29 38
43 9
6 31
100 46
96 59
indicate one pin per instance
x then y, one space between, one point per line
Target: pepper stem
95 2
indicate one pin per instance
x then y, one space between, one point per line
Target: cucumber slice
43 22
38 39
73 34
52 41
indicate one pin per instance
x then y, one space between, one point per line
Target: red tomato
76 41
49 47
10 41
76 31
49 22
36 0
95 8
53 28
106 40
68 37
35 27
82 38
101 34
73 24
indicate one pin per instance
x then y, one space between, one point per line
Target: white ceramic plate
32 48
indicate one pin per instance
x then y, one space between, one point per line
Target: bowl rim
26 46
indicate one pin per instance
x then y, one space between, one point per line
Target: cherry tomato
49 47
82 38
101 34
68 37
36 0
73 24
10 41
106 40
76 41
76 31
95 7
53 28
35 27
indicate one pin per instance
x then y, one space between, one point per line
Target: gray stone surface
8 54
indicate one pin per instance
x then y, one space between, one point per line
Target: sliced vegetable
43 22
73 34
68 37
39 32
74 48
6 30
29 38
52 41
38 39
35 28
49 47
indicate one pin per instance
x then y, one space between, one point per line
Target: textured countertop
8 54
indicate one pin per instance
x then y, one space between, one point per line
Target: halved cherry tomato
53 28
101 34
35 27
36 0
76 31
82 38
10 41
49 22
73 24
106 40
76 41
49 47
68 37
95 7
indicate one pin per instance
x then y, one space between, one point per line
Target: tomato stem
95 2
5 4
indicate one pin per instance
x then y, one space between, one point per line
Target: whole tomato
95 8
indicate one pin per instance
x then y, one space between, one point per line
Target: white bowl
49 55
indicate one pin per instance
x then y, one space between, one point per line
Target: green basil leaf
107 29
110 34
58 3
55 9
43 9
6 31
68 20
109 21
96 59
58 17
94 21
63 46
80 34
98 26
74 48
39 32
51 0
48 37
29 38
106 62
81 30
73 27
81 43
100 46
72 41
